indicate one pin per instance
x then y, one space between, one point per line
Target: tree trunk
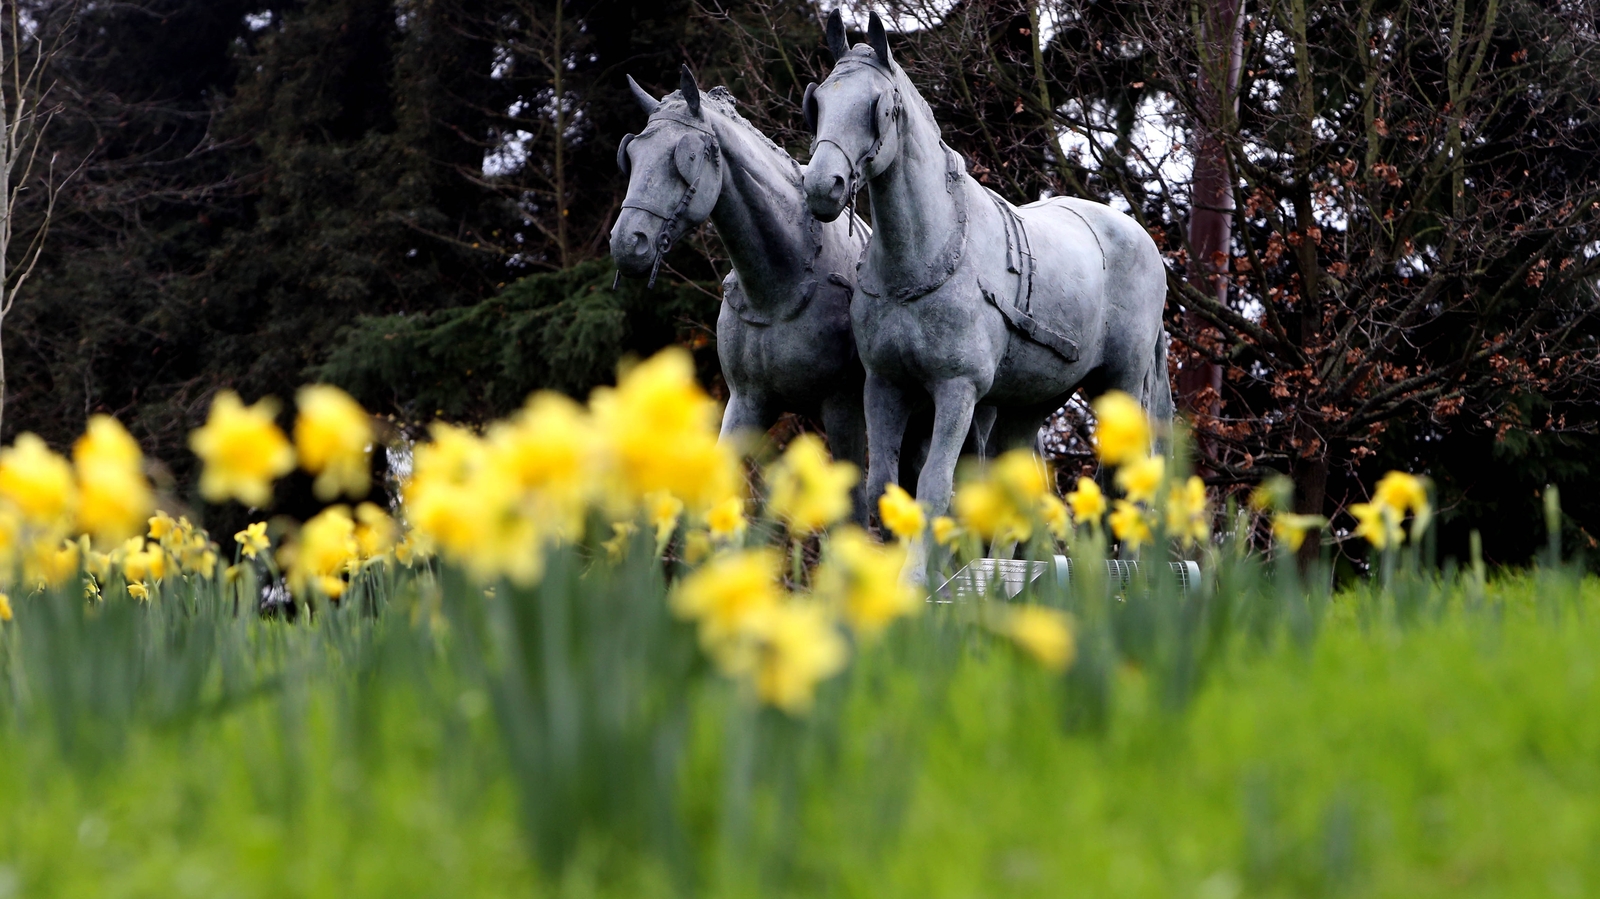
1221 45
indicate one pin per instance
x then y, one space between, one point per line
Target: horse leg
953 405
747 411
844 418
887 413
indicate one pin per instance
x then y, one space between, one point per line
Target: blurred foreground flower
807 490
1129 524
1043 632
659 430
798 647
725 597
1397 494
900 513
253 539
1003 503
1291 529
1088 502
1188 514
862 579
1141 478
726 520
243 451
5 607
114 497
333 436
38 483
324 552
1121 428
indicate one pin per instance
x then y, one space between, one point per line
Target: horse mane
722 100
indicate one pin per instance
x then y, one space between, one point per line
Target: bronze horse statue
963 298
783 333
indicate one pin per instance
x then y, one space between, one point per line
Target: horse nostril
836 189
641 243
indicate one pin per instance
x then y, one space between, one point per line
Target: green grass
1429 739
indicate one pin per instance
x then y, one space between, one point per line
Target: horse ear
689 156
836 41
691 91
623 162
646 102
878 40
808 107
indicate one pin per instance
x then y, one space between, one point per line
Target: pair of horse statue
954 302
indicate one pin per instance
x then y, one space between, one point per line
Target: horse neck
761 215
914 205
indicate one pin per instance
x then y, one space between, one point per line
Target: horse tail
1158 383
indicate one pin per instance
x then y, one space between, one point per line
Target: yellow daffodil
114 496
1291 529
160 526
726 519
243 451
5 607
659 431
799 647
547 454
900 513
1140 478
253 539
1188 515
333 437
1405 493
1401 491
1121 429
946 532
38 482
862 579
617 547
1042 632
1023 475
984 509
697 546
809 491
323 554
474 511
139 592
1088 502
1272 494
143 562
1378 524
725 597
375 531
1053 512
664 510
52 562
1129 525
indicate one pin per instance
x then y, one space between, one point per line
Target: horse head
855 115
674 171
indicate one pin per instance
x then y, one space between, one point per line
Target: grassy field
585 656
1250 739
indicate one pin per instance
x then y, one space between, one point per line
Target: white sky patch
913 16
509 156
1156 152
258 21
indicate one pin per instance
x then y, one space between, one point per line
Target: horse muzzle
633 244
827 187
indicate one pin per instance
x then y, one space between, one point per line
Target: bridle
863 163
689 160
